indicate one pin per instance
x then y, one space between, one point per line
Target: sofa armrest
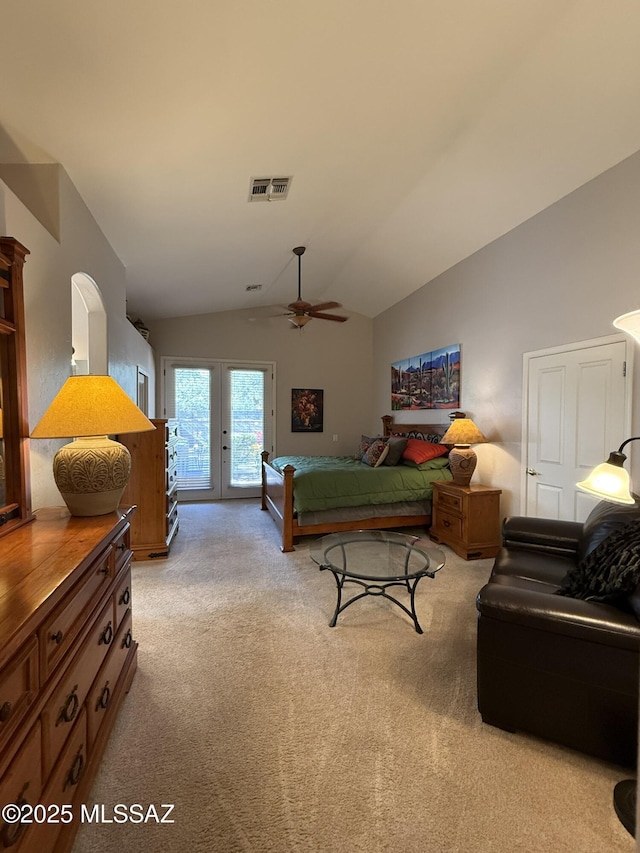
572 617
542 534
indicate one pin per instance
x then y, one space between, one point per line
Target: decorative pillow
421 451
438 462
376 453
603 520
365 443
396 445
433 437
610 571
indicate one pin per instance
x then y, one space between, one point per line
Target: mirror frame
13 375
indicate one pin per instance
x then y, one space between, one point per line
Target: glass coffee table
377 560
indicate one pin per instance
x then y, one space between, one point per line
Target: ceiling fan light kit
301 311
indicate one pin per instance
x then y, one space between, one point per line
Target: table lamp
462 458
92 471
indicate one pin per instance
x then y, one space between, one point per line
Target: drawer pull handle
104 698
5 712
125 598
70 708
57 637
121 546
104 570
107 635
11 832
446 523
75 771
128 639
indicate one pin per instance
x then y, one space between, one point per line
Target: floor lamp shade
92 471
462 458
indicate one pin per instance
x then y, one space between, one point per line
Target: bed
297 514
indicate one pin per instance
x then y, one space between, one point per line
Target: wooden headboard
389 428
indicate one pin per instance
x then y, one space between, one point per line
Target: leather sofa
564 669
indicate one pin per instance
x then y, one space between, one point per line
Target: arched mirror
15 491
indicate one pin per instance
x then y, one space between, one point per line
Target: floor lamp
610 482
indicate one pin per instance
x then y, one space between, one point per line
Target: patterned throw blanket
611 571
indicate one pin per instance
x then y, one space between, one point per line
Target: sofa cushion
542 569
611 571
603 520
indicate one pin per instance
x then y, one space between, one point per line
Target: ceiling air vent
269 189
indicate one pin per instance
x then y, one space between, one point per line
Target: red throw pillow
421 451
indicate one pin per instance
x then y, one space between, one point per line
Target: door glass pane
247 426
193 413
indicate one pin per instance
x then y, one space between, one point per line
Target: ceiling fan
301 311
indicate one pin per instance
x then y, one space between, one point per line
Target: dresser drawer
62 709
21 784
449 501
18 688
60 630
122 601
103 691
121 549
60 790
172 478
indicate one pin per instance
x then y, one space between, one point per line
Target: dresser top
40 562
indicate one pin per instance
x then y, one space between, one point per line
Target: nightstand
467 519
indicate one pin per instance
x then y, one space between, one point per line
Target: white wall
47 286
562 276
335 357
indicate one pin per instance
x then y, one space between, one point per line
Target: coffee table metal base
374 589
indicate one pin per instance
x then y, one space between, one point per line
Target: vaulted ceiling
416 132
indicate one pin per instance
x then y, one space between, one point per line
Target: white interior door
578 409
225 420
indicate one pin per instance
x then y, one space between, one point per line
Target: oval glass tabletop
377 555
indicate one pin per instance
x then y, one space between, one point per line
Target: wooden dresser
466 518
153 488
67 658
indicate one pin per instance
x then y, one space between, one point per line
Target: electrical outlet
335 436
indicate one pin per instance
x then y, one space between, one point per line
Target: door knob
533 473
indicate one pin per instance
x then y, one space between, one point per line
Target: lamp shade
462 459
91 405
608 482
463 431
630 323
92 471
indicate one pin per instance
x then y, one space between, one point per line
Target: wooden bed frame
277 497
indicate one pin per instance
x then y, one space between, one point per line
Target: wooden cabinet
67 658
153 488
467 519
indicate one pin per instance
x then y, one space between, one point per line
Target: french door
225 420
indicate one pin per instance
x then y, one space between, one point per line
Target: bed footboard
277 499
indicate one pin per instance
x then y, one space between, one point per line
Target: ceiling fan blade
324 305
320 316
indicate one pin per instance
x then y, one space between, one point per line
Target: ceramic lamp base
462 461
92 474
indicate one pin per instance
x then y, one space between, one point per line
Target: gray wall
336 357
560 277
78 246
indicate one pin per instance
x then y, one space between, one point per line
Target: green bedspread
330 482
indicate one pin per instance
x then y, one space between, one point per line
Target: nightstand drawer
448 501
449 524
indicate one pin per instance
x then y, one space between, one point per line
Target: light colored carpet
273 733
